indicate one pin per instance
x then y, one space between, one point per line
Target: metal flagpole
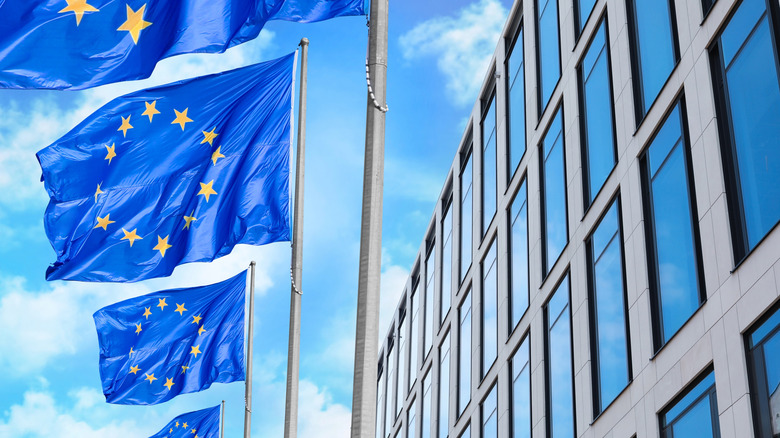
222 421
249 343
294 344
366 334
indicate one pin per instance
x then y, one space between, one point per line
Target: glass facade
430 267
673 256
392 393
403 364
548 50
558 360
466 216
518 255
489 181
695 414
427 413
599 150
490 414
553 181
747 85
446 265
609 320
411 420
520 404
489 312
414 303
763 343
444 388
583 10
380 404
464 354
515 67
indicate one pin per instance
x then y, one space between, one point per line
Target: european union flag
172 175
202 424
61 44
157 346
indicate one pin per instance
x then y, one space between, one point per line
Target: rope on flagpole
292 280
382 108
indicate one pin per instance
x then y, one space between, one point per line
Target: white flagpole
249 344
222 421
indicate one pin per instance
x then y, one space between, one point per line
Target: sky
439 52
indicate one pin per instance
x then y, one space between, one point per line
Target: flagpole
249 344
367 324
294 344
222 421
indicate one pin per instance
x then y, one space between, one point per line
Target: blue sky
438 55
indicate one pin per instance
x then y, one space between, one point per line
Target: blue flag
201 424
76 44
157 346
172 175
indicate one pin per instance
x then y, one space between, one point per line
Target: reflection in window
380 403
466 205
430 267
446 265
599 153
548 50
391 390
464 354
764 355
654 49
489 309
521 392
466 433
444 387
411 429
518 256
746 80
583 9
415 329
490 414
695 414
554 226
515 67
425 417
558 360
489 181
673 264
403 365
609 328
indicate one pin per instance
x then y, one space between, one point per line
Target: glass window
583 10
446 265
515 67
747 87
467 432
489 181
763 356
466 206
490 414
392 393
599 153
464 354
414 302
518 256
548 50
558 358
706 5
403 365
380 404
489 309
553 175
654 50
411 427
609 325
673 255
521 392
695 414
444 387
430 267
426 407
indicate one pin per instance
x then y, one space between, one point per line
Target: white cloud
319 416
393 281
463 46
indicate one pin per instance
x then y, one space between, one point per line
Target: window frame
540 108
446 339
466 159
483 270
490 100
759 398
447 208
510 245
579 28
546 270
525 338
710 393
467 295
511 43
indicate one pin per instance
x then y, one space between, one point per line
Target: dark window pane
548 50
489 182
560 400
654 48
609 319
521 392
446 265
490 414
464 354
519 257
597 118
391 390
693 414
584 7
444 388
515 66
430 267
554 192
489 309
764 344
466 183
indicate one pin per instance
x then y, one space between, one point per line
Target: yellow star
181 118
97 192
193 431
177 424
135 22
125 126
184 425
207 190
217 155
78 7
183 370
138 328
171 430
168 384
111 153
162 245
196 319
135 369
189 219
151 110
103 222
147 312
196 350
180 308
131 352
161 303
131 236
150 378
201 330
209 136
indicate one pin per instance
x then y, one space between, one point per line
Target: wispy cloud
462 45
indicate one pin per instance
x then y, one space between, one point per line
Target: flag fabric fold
169 175
201 424
157 346
76 44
